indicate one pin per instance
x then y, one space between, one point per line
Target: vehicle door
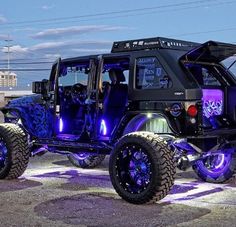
71 101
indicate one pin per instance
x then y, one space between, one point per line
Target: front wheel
14 151
85 161
216 168
142 168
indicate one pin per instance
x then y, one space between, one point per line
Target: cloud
19 49
47 7
72 48
53 50
26 29
74 30
52 56
16 49
3 36
47 45
16 52
68 45
2 19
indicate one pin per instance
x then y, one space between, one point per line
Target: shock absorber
186 153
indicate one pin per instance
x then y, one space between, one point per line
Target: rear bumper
215 133
225 132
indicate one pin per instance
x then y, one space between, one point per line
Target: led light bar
152 43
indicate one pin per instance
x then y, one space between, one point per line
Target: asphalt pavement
54 193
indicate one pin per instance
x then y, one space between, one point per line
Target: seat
115 99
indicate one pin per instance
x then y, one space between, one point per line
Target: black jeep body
181 91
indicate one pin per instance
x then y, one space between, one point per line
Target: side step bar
73 146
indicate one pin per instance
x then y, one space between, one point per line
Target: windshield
71 75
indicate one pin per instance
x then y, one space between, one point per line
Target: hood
25 101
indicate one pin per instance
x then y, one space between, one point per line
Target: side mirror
40 87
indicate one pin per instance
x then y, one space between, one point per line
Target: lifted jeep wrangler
151 104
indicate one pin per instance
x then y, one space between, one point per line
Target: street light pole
8 46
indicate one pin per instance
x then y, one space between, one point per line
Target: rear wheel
216 168
142 168
14 151
84 160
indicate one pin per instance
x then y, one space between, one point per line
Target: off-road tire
89 162
18 153
163 167
221 177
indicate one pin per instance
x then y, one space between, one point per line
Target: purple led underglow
81 156
60 125
103 128
216 165
221 163
140 123
212 102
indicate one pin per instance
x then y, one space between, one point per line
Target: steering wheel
79 93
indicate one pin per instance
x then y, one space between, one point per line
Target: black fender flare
140 119
14 113
132 122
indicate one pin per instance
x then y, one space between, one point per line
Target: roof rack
152 43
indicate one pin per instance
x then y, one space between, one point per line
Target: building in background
8 79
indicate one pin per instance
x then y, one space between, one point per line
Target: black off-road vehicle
151 104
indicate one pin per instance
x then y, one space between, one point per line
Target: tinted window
230 64
150 74
206 75
116 64
105 77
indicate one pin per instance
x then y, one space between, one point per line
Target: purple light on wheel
221 163
212 102
60 125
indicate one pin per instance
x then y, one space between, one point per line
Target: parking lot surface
54 193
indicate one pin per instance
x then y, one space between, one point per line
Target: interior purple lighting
212 102
103 128
60 125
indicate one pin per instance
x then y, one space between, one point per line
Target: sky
43 30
